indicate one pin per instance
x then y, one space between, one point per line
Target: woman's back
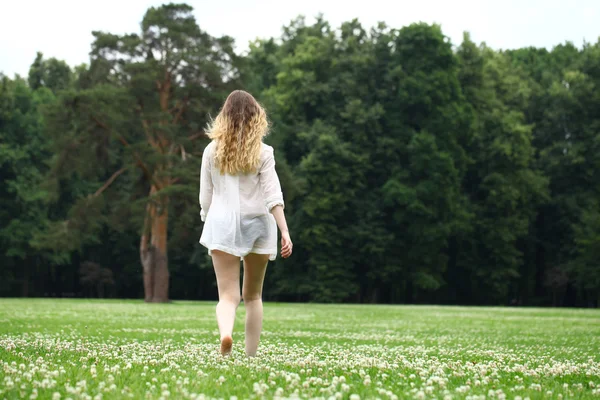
239 221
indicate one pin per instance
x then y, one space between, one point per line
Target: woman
241 201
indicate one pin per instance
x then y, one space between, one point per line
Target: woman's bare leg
255 266
227 270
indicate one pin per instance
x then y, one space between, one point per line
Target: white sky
62 28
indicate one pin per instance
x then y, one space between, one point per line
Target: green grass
128 349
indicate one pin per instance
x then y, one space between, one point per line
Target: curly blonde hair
238 131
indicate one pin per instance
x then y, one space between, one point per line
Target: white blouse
236 208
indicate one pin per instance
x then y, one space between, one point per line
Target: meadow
114 349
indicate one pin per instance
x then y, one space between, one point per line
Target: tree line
414 170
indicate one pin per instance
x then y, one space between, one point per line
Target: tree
428 125
140 109
502 183
563 112
323 119
572 161
360 101
52 73
24 209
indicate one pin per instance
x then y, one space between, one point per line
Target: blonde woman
241 203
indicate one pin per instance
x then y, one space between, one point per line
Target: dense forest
415 170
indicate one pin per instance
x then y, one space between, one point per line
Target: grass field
59 349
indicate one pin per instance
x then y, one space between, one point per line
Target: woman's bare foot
226 344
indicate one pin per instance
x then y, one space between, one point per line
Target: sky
62 28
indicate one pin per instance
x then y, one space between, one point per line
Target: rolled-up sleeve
206 184
269 182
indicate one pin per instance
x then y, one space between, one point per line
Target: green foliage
53 74
24 150
503 184
413 171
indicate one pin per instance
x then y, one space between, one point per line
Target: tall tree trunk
148 267
153 243
160 257
153 251
147 255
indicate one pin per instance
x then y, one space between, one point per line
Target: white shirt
236 208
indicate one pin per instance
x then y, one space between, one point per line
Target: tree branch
147 131
182 107
109 182
125 143
145 125
196 136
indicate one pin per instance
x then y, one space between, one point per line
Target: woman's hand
286 245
